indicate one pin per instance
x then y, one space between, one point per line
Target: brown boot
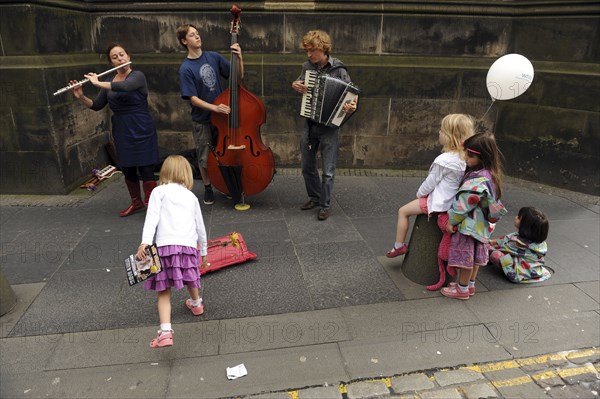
148 187
136 198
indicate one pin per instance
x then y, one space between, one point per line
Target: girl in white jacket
175 218
439 188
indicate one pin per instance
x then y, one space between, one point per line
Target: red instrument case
226 251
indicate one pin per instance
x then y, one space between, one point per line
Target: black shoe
323 214
209 196
309 205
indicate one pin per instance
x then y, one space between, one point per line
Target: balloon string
493 100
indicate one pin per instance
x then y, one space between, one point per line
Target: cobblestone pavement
563 375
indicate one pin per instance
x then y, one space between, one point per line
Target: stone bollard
8 299
420 263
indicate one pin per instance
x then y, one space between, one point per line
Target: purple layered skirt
179 268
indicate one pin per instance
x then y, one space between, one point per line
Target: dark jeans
314 138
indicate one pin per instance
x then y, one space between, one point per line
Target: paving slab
305 366
344 274
130 345
120 381
406 318
26 294
536 336
269 286
592 288
377 357
320 393
281 331
545 301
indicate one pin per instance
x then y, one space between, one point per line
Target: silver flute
81 82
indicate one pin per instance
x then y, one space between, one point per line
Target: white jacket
174 215
442 182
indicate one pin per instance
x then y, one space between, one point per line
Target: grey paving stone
280 331
479 391
592 288
586 372
451 393
394 355
117 381
331 392
553 300
553 381
270 395
271 286
529 390
571 392
541 362
408 319
584 356
26 294
453 377
339 274
532 336
411 383
268 371
366 389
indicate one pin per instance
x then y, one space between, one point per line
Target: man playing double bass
315 136
200 83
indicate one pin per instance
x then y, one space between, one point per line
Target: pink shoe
453 292
162 340
471 289
397 251
196 310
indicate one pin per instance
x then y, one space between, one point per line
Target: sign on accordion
325 98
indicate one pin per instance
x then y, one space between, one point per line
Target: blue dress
133 129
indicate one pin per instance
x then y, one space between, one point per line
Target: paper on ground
236 371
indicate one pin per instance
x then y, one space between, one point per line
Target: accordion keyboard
307 107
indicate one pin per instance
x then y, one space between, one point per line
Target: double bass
240 161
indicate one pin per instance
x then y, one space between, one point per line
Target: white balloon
509 77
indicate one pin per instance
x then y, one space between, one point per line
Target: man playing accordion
318 136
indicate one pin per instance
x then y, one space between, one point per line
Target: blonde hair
457 128
317 39
176 169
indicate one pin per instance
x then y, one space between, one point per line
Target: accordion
325 98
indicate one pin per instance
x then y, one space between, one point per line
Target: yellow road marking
583 353
488 368
576 371
539 359
511 382
544 376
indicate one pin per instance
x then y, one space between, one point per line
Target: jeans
315 137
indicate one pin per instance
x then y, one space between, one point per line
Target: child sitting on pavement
521 254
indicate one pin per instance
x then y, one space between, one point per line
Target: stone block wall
415 62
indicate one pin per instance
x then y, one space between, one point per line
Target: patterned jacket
475 211
523 261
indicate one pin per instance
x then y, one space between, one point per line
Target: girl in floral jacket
521 254
474 213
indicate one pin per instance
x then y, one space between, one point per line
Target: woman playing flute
126 93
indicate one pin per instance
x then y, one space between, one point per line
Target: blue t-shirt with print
201 77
